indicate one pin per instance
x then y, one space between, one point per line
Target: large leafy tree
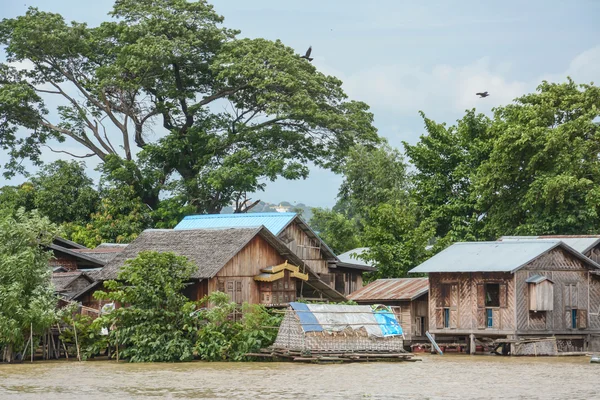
375 210
26 298
446 160
156 324
234 112
543 172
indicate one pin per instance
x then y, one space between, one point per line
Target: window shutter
481 318
581 319
480 295
445 295
439 318
454 296
453 318
503 295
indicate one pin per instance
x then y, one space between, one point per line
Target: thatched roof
210 250
62 280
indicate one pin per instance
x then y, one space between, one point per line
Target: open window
492 295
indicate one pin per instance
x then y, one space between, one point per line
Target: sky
402 57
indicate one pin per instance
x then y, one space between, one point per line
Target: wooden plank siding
465 304
305 247
236 278
574 287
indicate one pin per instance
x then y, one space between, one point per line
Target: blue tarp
307 319
388 323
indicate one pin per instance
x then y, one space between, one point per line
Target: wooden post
31 338
117 343
472 346
76 342
63 343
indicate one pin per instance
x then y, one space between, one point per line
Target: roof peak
242 215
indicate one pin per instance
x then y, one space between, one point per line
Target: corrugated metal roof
392 289
348 259
505 256
273 221
581 243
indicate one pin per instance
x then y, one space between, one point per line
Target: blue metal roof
275 222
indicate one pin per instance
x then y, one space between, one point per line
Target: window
446 318
574 318
489 317
492 295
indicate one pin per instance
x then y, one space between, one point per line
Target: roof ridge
240 215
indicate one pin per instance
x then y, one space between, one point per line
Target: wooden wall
305 247
236 278
464 302
574 287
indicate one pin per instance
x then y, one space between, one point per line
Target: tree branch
71 154
220 95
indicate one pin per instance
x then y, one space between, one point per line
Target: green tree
336 229
64 193
12 198
543 172
172 62
26 296
446 160
375 210
156 325
120 218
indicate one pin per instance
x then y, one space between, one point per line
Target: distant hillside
284 206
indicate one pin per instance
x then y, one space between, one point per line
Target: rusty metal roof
392 289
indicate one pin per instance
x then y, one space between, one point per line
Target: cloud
450 89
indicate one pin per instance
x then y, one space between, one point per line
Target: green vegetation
160 324
532 169
27 302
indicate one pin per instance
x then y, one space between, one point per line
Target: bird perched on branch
307 55
482 94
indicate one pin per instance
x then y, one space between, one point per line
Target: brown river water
447 377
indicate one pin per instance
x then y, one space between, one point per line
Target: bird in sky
482 94
307 55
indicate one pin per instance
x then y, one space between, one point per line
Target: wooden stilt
63 343
31 339
472 346
76 342
117 340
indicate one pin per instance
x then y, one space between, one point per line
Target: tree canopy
210 115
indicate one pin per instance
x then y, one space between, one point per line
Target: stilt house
514 289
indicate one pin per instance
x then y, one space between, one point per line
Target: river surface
447 377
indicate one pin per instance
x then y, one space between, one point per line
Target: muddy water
447 377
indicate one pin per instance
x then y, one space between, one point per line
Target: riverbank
447 377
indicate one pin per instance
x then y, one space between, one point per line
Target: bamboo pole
76 342
25 349
63 343
117 343
31 338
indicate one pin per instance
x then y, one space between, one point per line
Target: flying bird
482 94
307 55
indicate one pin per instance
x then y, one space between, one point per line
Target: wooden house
408 297
294 232
249 264
346 275
588 245
514 290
